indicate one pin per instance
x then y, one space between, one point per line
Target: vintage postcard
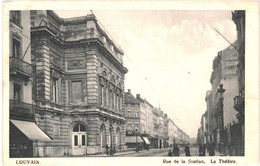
130 83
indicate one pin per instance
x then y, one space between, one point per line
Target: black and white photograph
119 83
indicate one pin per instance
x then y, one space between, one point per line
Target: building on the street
219 125
156 128
210 120
132 116
22 141
238 17
203 128
146 120
78 85
171 132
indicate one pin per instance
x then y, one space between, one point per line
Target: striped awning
132 139
31 130
146 141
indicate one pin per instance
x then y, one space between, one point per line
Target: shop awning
31 130
132 139
146 141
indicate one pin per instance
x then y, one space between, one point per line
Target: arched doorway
79 139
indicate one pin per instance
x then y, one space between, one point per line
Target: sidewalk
121 153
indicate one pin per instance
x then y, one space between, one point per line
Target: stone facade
78 85
239 17
132 114
220 116
20 72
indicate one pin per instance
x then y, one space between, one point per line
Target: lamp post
136 140
221 90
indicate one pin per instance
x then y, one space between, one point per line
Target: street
158 152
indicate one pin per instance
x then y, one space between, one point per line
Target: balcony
21 110
239 102
20 68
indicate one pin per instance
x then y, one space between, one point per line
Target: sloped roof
130 99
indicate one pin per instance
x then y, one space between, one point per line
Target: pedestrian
107 149
200 150
203 149
187 149
147 147
114 150
170 153
230 149
211 149
176 150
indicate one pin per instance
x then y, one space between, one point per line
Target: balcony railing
239 101
17 107
20 66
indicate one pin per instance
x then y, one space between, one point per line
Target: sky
169 55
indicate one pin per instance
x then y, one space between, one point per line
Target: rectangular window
101 97
76 92
56 131
83 140
16 48
15 17
110 99
17 92
75 140
128 113
115 102
54 90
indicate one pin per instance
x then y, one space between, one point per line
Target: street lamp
221 90
136 140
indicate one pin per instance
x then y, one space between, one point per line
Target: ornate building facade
78 85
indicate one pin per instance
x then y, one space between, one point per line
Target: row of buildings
223 121
66 91
150 124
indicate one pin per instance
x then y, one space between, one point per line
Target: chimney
129 91
138 96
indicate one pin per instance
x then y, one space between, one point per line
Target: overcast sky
169 55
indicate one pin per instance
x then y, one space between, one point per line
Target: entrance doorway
79 140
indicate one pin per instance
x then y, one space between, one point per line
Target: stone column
92 128
92 78
42 58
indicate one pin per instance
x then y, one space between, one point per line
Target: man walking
211 149
176 150
187 150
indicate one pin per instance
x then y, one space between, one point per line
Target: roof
130 99
148 103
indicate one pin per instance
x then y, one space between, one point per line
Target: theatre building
78 85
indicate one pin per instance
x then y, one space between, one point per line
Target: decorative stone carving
76 64
55 74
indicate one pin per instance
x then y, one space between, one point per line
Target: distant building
78 85
146 120
132 116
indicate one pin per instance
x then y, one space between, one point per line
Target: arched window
79 128
79 138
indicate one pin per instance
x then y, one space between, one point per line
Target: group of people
176 150
202 150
